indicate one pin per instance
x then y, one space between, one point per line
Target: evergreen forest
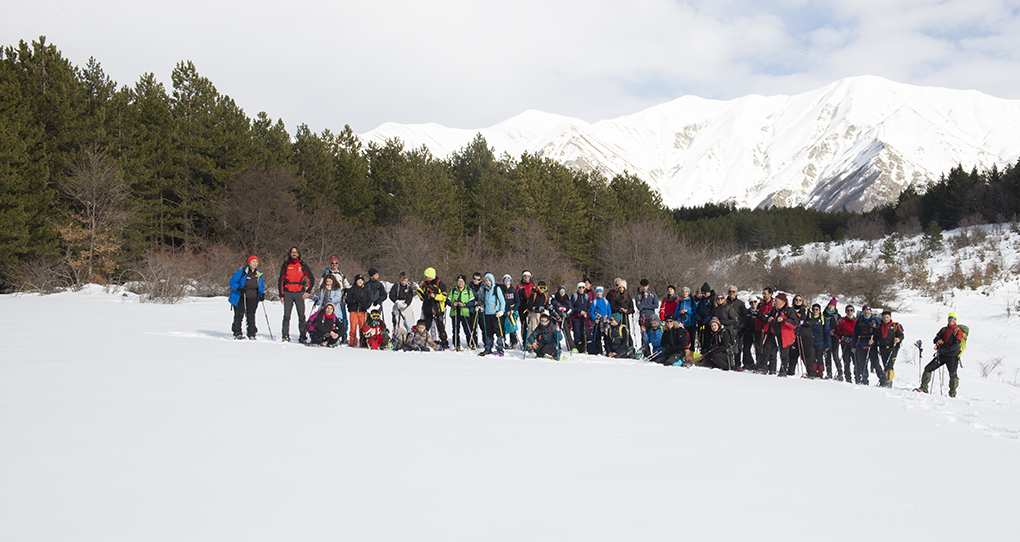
109 183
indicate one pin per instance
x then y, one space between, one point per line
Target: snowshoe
238 337
285 339
251 337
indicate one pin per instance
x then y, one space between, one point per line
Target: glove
262 297
240 289
499 314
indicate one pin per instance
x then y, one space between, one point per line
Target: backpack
964 331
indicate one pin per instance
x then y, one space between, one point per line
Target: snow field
128 421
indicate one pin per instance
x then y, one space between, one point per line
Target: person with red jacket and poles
845 333
766 346
949 345
296 283
890 335
783 324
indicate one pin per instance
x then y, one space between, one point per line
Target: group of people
771 335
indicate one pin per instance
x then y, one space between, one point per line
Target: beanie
430 273
705 288
832 302
252 257
782 297
372 271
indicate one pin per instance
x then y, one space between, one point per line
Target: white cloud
472 64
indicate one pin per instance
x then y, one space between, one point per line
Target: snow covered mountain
857 143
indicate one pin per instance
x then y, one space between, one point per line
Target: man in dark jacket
949 345
674 343
359 301
890 335
510 295
748 335
433 294
832 354
296 283
545 339
376 288
863 341
580 318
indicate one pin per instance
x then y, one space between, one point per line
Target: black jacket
358 299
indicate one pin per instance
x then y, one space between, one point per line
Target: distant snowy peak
856 143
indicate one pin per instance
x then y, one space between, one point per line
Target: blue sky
472 64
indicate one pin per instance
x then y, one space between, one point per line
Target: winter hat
705 288
252 257
507 277
334 259
372 271
561 288
671 317
359 276
656 322
599 289
782 297
715 320
832 302
581 285
526 274
617 317
952 315
462 277
622 283
430 273
328 305
865 308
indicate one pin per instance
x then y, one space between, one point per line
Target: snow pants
888 356
461 322
670 359
293 300
746 344
832 356
492 332
861 359
579 330
849 374
245 308
357 322
437 319
766 353
546 349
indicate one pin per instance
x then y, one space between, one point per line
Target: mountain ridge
855 143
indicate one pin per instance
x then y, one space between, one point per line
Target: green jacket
465 296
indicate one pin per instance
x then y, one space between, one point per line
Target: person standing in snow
296 283
686 314
247 289
831 317
375 288
433 294
820 342
600 314
524 289
493 306
890 335
845 332
950 343
509 322
783 323
476 313
359 301
462 312
863 347
579 320
748 335
668 303
803 344
401 295
646 303
334 269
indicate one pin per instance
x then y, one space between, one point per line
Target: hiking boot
484 353
954 384
238 337
285 339
251 337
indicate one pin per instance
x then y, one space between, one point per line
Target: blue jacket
654 338
820 328
600 308
238 280
491 298
686 319
704 310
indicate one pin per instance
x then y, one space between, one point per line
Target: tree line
96 177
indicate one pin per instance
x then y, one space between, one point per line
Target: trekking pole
268 325
942 372
920 353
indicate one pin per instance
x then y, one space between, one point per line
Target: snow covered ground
122 420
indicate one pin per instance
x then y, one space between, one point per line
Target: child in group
374 334
326 329
418 340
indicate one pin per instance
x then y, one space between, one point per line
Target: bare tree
258 208
98 196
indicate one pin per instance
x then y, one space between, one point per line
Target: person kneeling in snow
718 340
618 341
326 328
418 340
673 347
374 334
545 339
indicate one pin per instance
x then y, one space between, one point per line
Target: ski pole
268 325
